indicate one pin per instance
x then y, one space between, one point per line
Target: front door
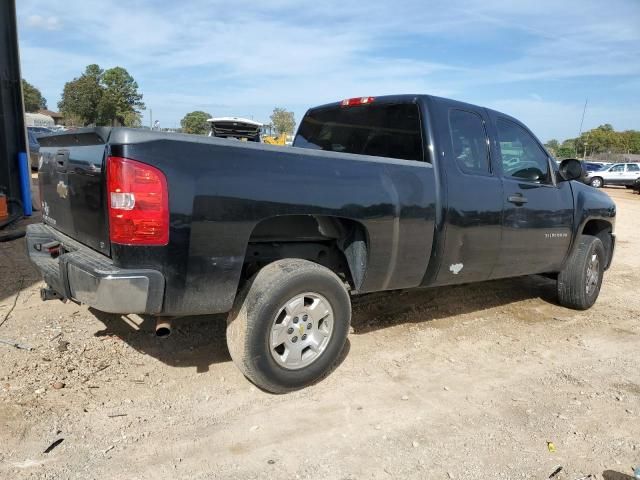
538 212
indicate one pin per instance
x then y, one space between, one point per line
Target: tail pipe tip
163 327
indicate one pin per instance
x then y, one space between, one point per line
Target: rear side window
631 167
469 142
383 130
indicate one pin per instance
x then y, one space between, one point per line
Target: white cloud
46 23
247 57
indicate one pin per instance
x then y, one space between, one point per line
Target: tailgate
71 176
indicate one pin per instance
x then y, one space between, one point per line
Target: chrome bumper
88 277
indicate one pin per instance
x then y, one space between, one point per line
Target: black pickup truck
376 194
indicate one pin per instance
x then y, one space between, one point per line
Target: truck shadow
385 309
197 341
200 340
612 475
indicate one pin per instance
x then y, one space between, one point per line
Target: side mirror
571 169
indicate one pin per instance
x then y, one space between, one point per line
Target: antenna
584 110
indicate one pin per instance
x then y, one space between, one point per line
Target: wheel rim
301 331
593 274
596 183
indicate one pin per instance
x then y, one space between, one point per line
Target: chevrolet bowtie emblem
62 189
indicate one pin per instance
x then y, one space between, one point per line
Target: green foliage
603 139
120 98
33 99
81 97
565 152
100 97
283 121
195 122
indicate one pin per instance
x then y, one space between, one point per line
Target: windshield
383 130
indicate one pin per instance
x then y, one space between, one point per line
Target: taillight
351 102
138 203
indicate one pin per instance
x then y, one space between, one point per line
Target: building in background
58 118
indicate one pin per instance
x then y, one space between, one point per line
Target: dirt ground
467 382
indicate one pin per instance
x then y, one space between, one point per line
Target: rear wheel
289 325
596 182
579 283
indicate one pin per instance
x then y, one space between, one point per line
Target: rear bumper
88 277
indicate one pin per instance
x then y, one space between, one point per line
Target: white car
617 174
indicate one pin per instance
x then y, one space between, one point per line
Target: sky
536 60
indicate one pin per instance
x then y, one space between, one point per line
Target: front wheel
579 283
596 182
289 325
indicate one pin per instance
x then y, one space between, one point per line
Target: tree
81 96
120 100
195 122
552 145
283 121
33 99
100 97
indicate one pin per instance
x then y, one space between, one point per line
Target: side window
632 167
469 142
522 157
617 168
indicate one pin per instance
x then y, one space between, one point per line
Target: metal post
12 129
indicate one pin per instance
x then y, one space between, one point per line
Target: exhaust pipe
163 327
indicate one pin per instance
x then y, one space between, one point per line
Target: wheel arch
603 230
338 243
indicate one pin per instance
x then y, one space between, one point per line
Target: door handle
62 159
517 199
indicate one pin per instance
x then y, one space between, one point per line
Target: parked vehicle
376 194
235 127
593 166
34 149
41 130
617 174
636 185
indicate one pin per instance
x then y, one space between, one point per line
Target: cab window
469 142
521 155
391 130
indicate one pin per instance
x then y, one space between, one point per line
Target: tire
597 182
281 293
577 287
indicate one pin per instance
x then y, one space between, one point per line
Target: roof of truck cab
399 98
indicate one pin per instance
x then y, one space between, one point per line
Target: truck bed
221 190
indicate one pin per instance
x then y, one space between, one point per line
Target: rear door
474 194
538 212
632 173
72 186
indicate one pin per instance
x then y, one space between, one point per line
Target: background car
41 130
624 174
34 149
593 166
